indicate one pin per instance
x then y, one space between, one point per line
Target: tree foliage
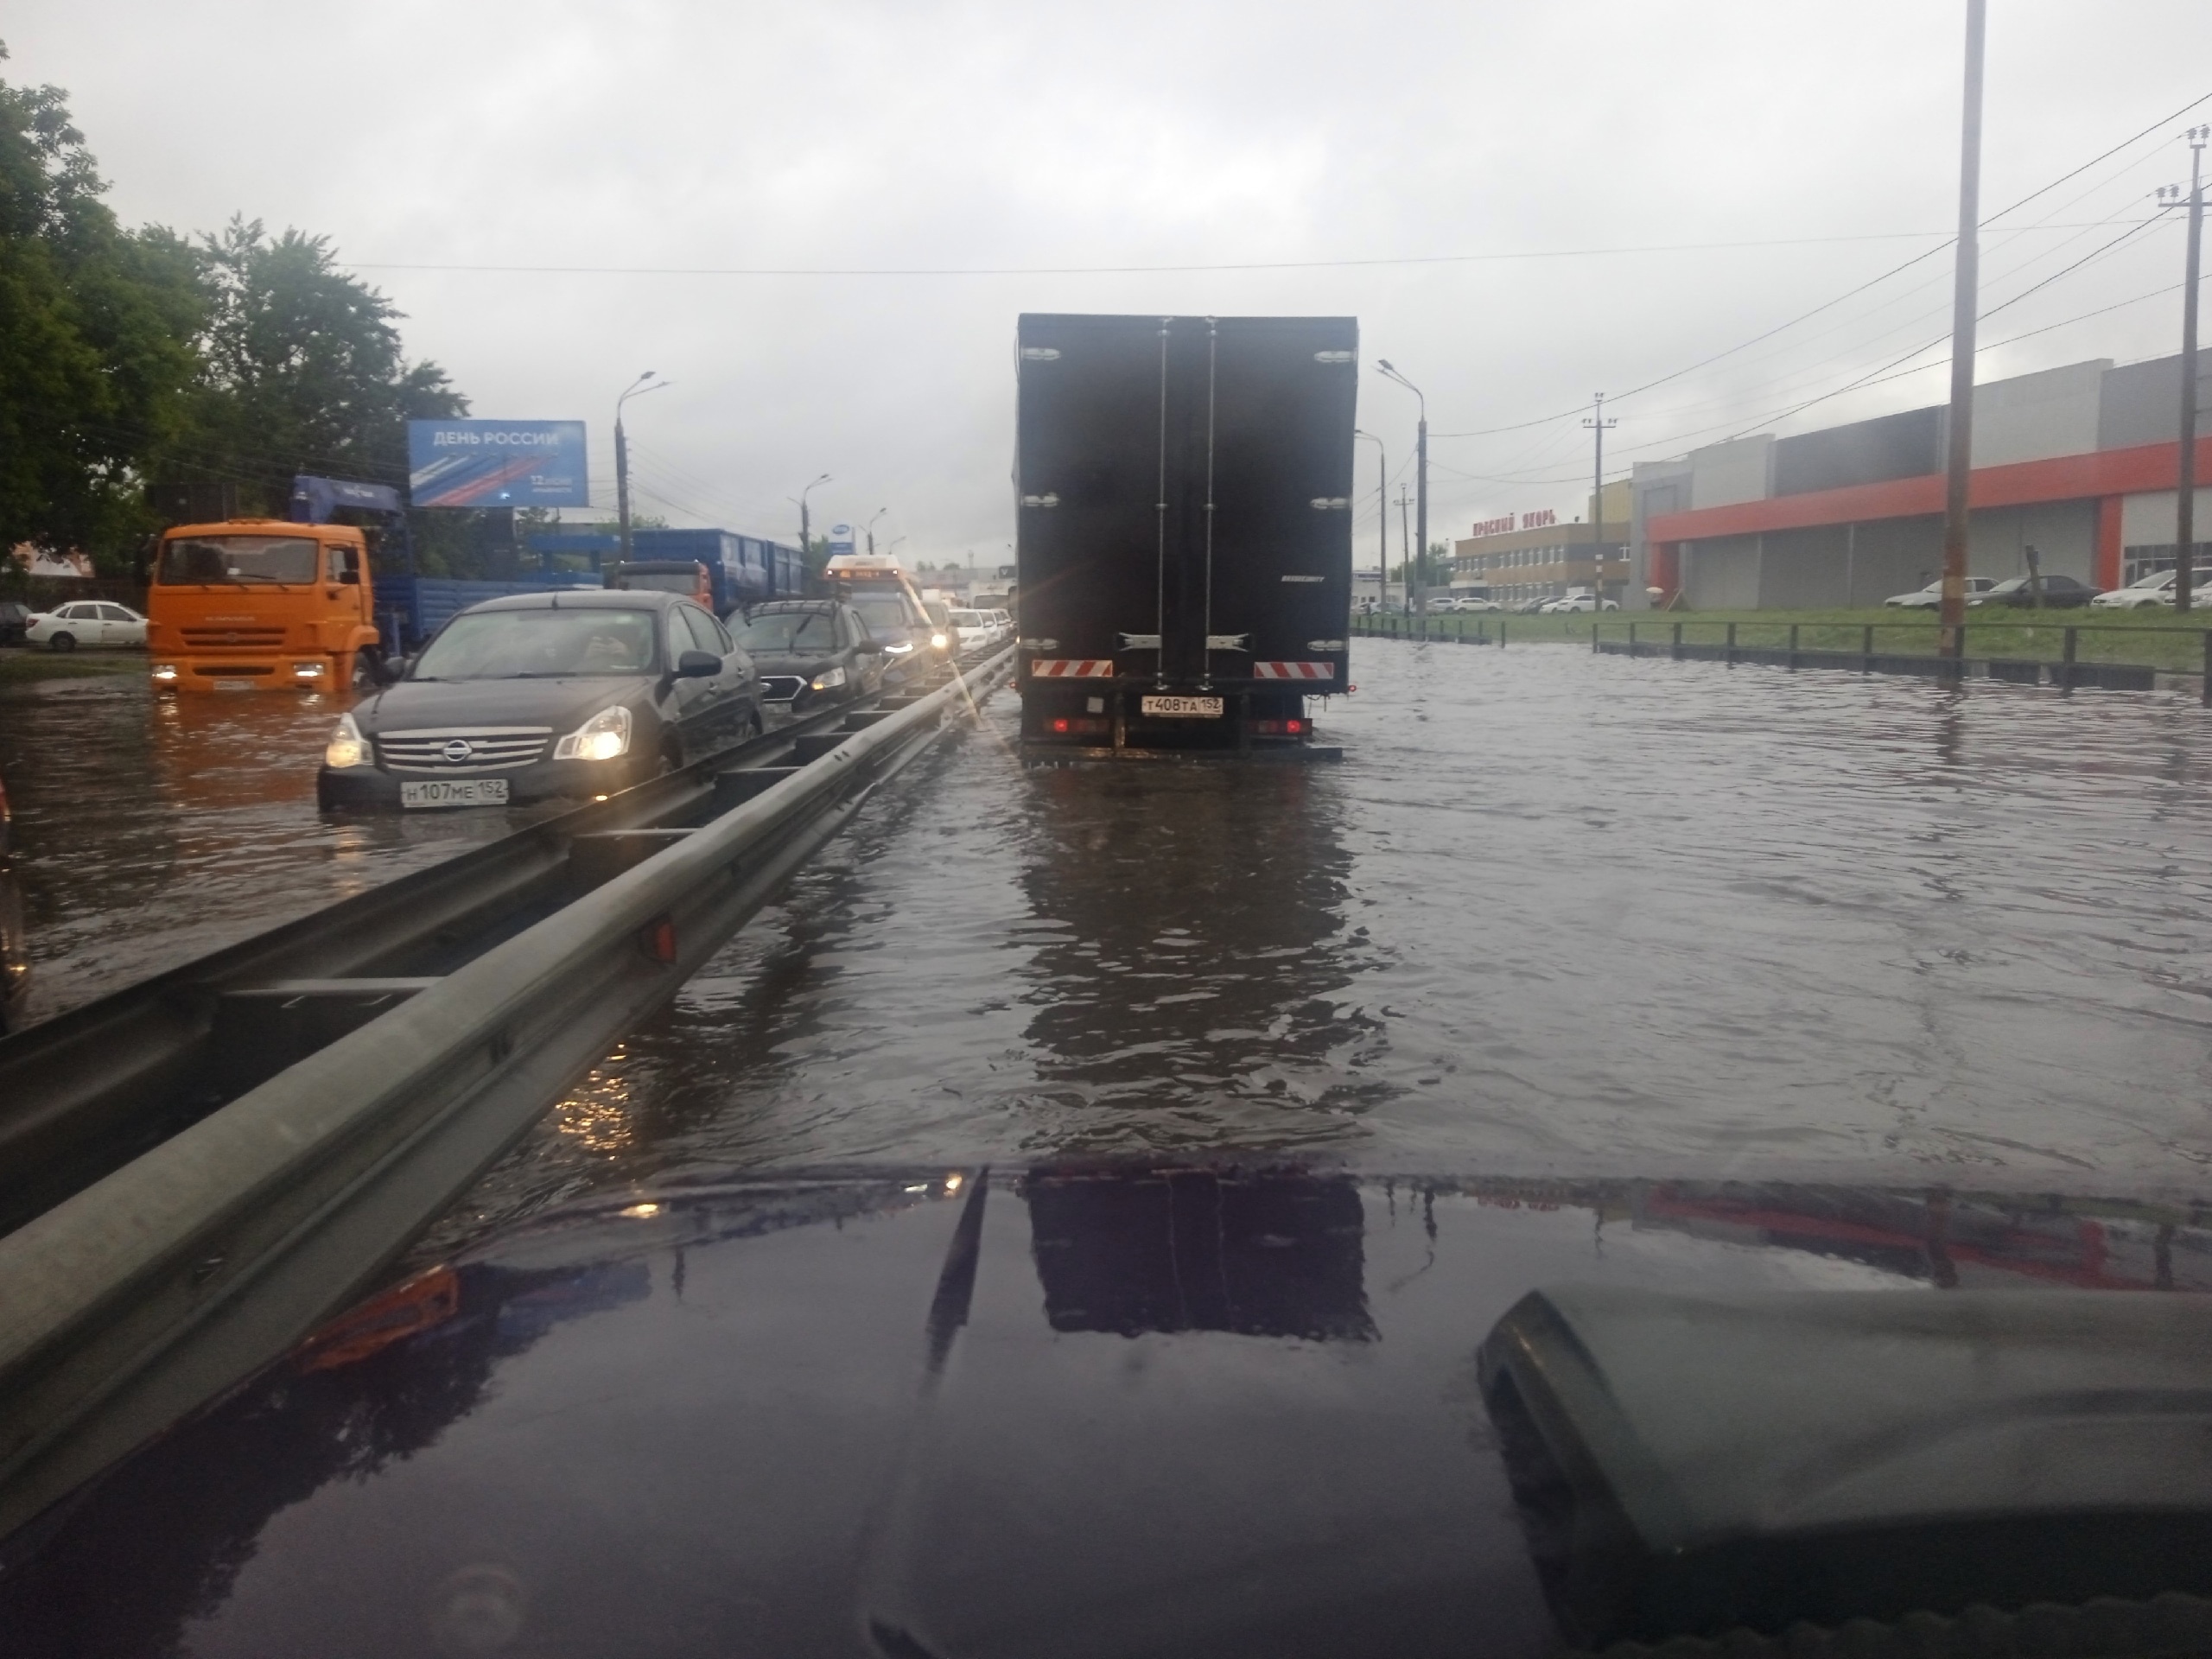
96 325
301 368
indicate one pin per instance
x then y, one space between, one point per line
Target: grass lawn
2153 638
19 663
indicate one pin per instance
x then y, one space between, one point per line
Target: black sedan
2058 593
812 652
536 695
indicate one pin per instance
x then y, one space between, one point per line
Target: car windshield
2156 579
883 612
537 645
788 630
209 561
967 619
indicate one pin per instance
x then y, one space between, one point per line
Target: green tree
302 369
96 325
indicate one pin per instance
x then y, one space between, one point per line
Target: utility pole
622 460
1416 599
1598 423
2185 500
1965 289
879 511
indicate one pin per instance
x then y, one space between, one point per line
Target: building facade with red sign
1532 555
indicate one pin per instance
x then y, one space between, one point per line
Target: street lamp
879 511
1381 510
1417 598
805 525
638 389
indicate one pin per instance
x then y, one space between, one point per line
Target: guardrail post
1793 645
1593 636
2207 692
2066 672
1866 651
1677 651
1501 634
1732 645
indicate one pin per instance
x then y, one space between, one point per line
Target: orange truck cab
261 605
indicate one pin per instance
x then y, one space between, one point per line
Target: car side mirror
395 670
698 665
349 577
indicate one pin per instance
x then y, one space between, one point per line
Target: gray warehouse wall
1725 474
1722 574
1805 569
1894 556
1866 451
2064 532
2141 403
2033 416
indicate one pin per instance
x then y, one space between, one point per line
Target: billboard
496 464
841 539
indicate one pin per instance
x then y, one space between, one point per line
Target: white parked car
1931 596
1002 625
1583 603
2147 592
86 622
970 631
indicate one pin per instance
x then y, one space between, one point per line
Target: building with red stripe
2081 464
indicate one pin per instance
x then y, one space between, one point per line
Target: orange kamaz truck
261 605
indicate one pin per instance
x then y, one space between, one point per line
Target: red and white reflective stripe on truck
1294 670
1073 668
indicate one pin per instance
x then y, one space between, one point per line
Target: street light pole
2185 501
879 511
1413 571
1964 288
622 460
1381 506
1416 595
805 525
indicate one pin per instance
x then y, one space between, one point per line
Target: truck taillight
1077 726
1278 727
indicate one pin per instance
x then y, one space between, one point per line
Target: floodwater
1552 913
151 830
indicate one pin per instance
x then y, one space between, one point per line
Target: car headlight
939 642
827 680
346 747
901 648
602 737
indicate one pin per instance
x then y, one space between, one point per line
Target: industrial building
2080 463
1535 556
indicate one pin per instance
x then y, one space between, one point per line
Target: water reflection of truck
262 604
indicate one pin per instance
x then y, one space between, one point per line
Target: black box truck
1185 531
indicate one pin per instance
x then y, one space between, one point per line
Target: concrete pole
1965 291
2185 502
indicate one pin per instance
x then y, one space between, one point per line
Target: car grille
779 687
233 639
487 748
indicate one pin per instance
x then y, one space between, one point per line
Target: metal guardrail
134 1302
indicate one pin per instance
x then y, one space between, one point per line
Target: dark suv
811 652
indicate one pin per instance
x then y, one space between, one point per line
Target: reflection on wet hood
1211 1408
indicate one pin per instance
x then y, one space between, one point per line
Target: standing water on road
1552 912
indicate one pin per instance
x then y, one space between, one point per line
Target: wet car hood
562 704
1072 1410
806 664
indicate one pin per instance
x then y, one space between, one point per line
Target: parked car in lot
2060 593
811 652
1526 607
1931 596
86 622
2147 593
577 692
1571 604
15 617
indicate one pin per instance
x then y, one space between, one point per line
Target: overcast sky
841 134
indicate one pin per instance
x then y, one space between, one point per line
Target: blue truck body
743 569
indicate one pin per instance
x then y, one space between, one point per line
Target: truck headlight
346 747
602 737
165 673
827 680
307 671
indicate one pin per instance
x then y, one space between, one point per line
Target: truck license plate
460 792
1187 708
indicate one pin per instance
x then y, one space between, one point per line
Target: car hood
412 705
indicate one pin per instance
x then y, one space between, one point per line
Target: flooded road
1552 913
152 830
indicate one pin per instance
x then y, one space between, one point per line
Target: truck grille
482 748
233 639
779 688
